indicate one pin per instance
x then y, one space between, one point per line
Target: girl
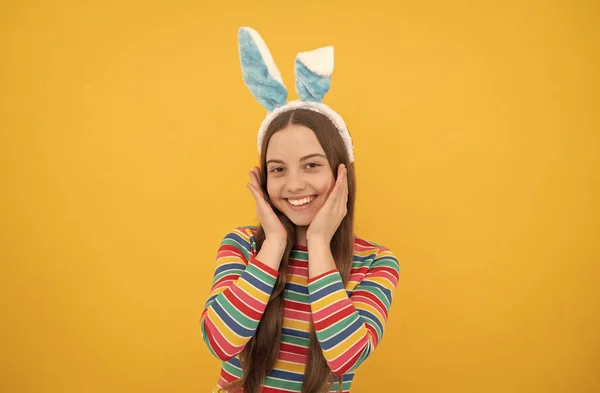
298 302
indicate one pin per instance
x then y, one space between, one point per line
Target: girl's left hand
330 215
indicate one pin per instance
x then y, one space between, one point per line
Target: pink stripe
220 284
360 345
299 271
365 300
372 335
297 315
226 347
292 357
229 253
387 273
249 300
328 310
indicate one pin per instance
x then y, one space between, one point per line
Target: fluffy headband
313 71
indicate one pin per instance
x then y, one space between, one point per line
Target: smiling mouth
302 202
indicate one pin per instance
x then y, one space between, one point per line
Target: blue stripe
288 376
294 333
357 258
386 292
235 361
330 288
348 330
367 314
243 242
210 300
297 288
230 266
255 282
231 323
348 377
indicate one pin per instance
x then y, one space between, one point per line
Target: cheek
273 189
327 185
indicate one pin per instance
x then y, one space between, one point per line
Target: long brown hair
260 353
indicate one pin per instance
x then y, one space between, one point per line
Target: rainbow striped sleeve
350 327
241 288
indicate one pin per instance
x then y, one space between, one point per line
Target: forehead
293 142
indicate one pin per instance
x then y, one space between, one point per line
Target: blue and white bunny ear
313 71
259 70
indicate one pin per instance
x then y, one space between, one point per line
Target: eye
312 165
276 169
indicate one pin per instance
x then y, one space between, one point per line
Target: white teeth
300 202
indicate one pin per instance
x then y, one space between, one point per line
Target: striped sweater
349 322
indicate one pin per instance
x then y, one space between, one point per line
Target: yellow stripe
369 308
363 254
336 351
384 282
244 233
229 335
384 253
230 259
298 325
329 299
291 367
299 280
218 291
253 292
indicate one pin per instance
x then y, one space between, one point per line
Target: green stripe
300 341
261 275
373 324
235 314
387 261
239 246
338 326
280 384
297 297
324 281
299 255
231 369
229 272
345 385
377 292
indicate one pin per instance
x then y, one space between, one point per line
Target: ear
259 70
313 71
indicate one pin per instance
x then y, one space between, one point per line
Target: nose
295 182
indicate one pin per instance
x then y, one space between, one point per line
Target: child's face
299 178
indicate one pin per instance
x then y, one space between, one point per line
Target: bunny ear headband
313 79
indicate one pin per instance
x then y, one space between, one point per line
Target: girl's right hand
274 229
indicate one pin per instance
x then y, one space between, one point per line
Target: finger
258 177
254 192
342 196
345 177
339 182
255 179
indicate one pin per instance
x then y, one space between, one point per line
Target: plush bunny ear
313 71
260 72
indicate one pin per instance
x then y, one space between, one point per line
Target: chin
299 221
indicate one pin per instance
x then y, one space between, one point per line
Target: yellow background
127 134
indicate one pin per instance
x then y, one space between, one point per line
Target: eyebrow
301 159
